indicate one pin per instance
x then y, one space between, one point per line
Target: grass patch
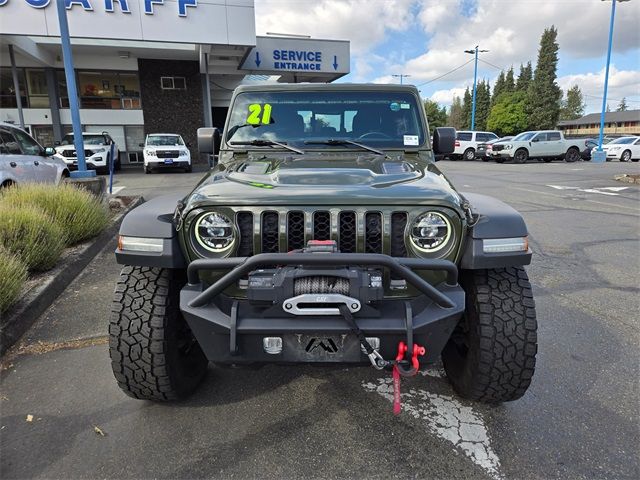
78 213
30 234
13 274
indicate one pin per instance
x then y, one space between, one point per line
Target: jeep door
44 171
16 167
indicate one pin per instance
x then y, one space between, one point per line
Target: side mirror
49 151
56 143
188 144
209 140
444 140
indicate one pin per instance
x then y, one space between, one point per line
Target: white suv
163 150
467 143
97 151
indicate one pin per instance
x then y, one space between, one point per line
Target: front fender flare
495 219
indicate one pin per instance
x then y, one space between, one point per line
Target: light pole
475 80
72 93
599 155
401 76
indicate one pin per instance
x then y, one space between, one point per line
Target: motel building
145 66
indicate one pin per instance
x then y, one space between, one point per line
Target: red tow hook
399 369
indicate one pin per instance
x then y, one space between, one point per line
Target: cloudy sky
426 39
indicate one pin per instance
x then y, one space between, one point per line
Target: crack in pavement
448 418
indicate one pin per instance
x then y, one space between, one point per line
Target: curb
16 321
628 178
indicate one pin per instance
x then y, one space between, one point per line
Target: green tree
498 87
436 116
524 78
457 117
544 94
509 82
573 105
466 108
622 107
508 115
483 104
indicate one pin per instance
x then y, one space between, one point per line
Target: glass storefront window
109 90
7 92
37 88
43 134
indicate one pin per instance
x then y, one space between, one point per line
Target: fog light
272 345
374 342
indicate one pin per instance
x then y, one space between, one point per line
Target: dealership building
145 66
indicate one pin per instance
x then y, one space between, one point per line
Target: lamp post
475 80
72 93
401 76
599 155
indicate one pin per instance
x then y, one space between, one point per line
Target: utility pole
401 76
72 93
599 155
475 81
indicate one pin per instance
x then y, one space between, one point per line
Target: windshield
523 137
623 141
86 139
164 140
379 119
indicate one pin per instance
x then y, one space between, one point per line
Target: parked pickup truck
547 145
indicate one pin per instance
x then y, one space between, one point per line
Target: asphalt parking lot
578 420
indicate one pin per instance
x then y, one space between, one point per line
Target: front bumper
232 330
179 162
501 154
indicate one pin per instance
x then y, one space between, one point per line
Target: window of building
7 92
173 83
43 134
37 88
109 90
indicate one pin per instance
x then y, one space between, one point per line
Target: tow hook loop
400 369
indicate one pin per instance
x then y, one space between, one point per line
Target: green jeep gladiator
325 234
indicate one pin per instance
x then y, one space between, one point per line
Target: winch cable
374 356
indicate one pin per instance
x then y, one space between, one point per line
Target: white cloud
445 97
622 83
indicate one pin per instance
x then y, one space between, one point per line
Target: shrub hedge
13 274
80 214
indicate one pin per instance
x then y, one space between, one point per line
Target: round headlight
214 232
430 232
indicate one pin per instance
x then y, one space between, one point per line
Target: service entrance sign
276 55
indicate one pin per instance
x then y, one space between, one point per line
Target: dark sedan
484 148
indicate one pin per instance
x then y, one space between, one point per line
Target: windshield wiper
268 143
335 141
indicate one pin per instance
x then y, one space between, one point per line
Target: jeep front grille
371 231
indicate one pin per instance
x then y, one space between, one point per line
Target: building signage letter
34 3
109 7
183 4
85 4
148 5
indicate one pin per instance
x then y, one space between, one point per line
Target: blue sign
109 5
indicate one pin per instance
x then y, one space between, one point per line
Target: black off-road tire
572 155
469 154
491 355
521 156
154 355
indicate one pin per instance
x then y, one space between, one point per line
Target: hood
62 148
325 179
167 147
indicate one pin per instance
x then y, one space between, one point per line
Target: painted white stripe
446 417
117 189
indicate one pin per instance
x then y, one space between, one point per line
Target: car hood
325 179
166 147
62 148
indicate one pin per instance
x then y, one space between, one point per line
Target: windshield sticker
411 140
405 106
255 111
394 106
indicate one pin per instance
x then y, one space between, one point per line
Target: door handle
13 164
36 163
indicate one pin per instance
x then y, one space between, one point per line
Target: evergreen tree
509 82
524 78
498 88
466 108
622 107
608 108
457 117
507 116
483 104
573 106
436 116
544 94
